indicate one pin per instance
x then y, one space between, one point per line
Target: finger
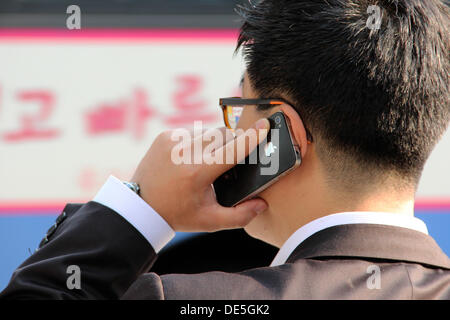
204 144
236 150
238 216
198 133
196 142
215 138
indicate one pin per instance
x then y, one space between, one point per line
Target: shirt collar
381 218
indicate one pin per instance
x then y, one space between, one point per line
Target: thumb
240 215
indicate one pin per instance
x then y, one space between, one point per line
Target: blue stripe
20 235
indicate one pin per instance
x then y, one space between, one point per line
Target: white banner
75 109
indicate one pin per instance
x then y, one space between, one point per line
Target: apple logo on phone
270 149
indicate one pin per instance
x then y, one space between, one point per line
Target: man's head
376 101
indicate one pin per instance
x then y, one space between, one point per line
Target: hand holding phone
275 157
182 194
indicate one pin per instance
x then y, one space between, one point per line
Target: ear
297 128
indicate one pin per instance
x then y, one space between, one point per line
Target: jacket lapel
369 241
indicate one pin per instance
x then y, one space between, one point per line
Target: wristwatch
133 187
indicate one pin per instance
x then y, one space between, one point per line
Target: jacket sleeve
90 243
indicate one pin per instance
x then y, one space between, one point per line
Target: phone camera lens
278 120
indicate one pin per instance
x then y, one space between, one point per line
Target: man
367 98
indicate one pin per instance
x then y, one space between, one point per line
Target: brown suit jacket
359 261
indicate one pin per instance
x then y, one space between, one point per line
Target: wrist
119 198
151 197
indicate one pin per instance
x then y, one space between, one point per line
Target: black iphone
276 156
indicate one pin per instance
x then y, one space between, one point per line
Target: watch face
133 186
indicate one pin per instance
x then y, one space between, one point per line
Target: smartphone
275 157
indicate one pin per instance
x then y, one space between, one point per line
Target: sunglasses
232 109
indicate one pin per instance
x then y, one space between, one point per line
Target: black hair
376 95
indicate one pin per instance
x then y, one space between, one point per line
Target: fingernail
261 123
260 208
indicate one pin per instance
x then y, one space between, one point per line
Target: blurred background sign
79 105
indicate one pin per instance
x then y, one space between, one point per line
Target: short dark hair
379 97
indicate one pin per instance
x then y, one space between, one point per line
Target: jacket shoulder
304 279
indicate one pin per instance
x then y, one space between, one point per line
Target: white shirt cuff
119 198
